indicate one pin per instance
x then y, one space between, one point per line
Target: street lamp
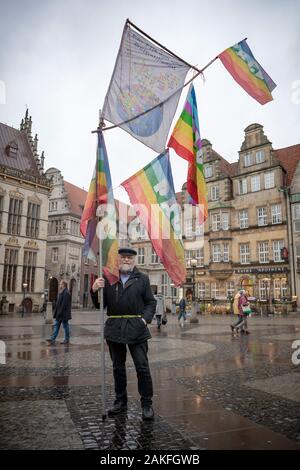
193 264
194 319
172 285
267 285
25 285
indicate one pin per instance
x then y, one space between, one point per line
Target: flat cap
127 251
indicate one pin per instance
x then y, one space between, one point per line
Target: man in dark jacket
62 314
130 306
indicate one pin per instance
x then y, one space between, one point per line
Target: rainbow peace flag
186 142
100 196
247 72
151 192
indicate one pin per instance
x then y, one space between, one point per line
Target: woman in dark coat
62 314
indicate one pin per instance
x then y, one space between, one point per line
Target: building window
245 253
262 216
199 230
1 210
188 254
54 255
255 183
277 289
33 220
188 228
276 214
243 188
225 220
263 290
298 257
248 159
263 252
230 289
14 216
284 289
214 290
29 266
141 255
243 218
269 180
226 252
10 270
215 222
214 193
154 257
296 210
216 253
277 245
164 284
260 156
208 170
201 290
199 256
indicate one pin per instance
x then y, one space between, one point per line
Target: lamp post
193 264
25 285
267 285
194 319
172 285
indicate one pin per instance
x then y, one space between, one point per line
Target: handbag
246 309
164 319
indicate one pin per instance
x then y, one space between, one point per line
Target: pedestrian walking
160 313
240 306
130 307
62 314
182 311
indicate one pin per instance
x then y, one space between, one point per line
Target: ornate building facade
24 193
64 241
250 239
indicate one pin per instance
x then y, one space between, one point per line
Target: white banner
144 76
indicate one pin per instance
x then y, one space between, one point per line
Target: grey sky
57 57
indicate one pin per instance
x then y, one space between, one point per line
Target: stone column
49 314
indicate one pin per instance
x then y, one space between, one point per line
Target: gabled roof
24 160
76 197
289 157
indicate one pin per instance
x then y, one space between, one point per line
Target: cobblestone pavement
212 390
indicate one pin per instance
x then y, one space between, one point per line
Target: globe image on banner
136 100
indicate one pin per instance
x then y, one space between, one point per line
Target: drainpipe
286 191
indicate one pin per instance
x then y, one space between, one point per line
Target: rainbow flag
186 142
247 72
151 192
100 196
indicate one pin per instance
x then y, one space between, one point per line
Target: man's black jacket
62 310
135 298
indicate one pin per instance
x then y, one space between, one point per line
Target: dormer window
208 170
12 149
248 159
260 156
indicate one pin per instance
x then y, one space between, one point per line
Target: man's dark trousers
138 353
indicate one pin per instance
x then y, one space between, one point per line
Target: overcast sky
57 57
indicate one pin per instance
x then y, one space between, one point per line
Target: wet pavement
211 390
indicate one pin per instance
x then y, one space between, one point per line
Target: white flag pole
100 292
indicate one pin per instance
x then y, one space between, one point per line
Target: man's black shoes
148 413
118 407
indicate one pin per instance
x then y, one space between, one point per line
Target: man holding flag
130 307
